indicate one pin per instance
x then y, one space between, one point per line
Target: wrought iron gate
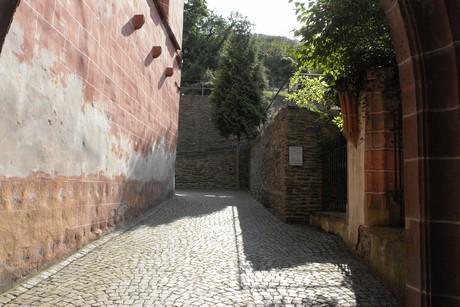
334 175
399 160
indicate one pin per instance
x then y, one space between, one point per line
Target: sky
272 17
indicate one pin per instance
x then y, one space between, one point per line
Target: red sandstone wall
88 124
382 99
372 185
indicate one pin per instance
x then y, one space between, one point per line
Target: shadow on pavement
268 245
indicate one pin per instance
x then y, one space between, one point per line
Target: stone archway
7 9
426 36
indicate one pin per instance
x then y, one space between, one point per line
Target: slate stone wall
290 192
204 158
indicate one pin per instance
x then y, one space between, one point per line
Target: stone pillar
381 207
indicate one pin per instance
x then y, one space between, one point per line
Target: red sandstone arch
426 37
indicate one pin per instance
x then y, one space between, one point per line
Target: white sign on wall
295 156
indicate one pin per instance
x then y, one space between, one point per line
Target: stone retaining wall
204 158
213 169
290 192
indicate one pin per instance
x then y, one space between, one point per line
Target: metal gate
334 175
399 160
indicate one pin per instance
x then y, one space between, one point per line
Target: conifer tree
237 107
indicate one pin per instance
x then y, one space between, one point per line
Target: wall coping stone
331 214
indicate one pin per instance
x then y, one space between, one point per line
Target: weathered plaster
88 136
155 167
46 128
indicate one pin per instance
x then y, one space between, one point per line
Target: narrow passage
207 248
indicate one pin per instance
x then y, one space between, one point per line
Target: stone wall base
381 248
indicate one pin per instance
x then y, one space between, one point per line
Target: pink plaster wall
89 124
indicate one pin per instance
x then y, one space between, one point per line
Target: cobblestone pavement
215 248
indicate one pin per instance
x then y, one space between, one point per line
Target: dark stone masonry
204 158
290 192
207 160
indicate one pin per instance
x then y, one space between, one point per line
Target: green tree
311 92
236 100
203 37
314 93
276 55
344 39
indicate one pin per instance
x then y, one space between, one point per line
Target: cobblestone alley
215 248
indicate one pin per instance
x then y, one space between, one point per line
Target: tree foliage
311 92
344 39
236 101
276 55
204 35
